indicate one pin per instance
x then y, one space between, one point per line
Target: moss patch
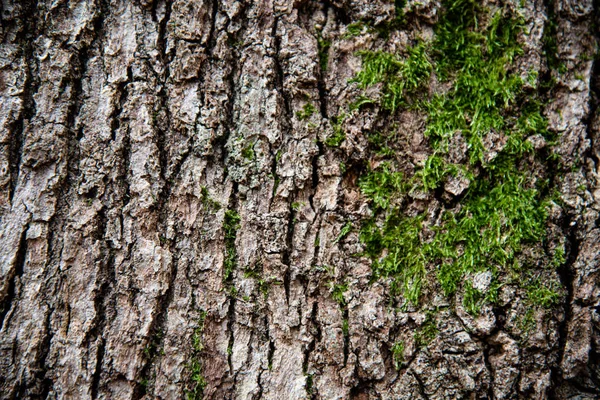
502 208
231 224
198 382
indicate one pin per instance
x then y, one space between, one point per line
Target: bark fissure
312 344
211 41
16 274
97 376
230 329
287 129
158 324
487 350
259 394
72 154
421 386
44 384
345 331
28 109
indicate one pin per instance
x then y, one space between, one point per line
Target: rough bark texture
133 132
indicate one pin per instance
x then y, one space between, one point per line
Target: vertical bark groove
17 273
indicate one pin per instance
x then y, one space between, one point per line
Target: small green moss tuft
337 293
297 205
544 294
559 257
208 202
231 224
338 133
198 381
346 229
197 343
355 29
309 384
248 152
426 332
472 299
345 327
550 47
323 46
399 78
398 354
307 111
527 322
383 185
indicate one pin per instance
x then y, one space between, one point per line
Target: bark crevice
25 38
16 273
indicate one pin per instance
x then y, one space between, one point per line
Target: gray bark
124 123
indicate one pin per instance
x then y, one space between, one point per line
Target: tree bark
170 219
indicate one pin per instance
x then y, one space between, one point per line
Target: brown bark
124 123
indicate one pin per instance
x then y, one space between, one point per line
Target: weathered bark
130 132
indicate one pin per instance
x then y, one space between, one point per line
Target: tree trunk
179 219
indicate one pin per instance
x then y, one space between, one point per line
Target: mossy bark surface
185 187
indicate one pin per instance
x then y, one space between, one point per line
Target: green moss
559 257
264 287
544 294
276 181
426 332
503 209
248 152
527 322
399 8
472 299
483 88
398 354
497 218
399 77
198 383
297 205
307 111
345 327
549 40
197 344
231 224
346 229
405 260
209 202
359 102
309 384
382 185
433 173
323 46
337 293
382 143
338 132
356 29
152 348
